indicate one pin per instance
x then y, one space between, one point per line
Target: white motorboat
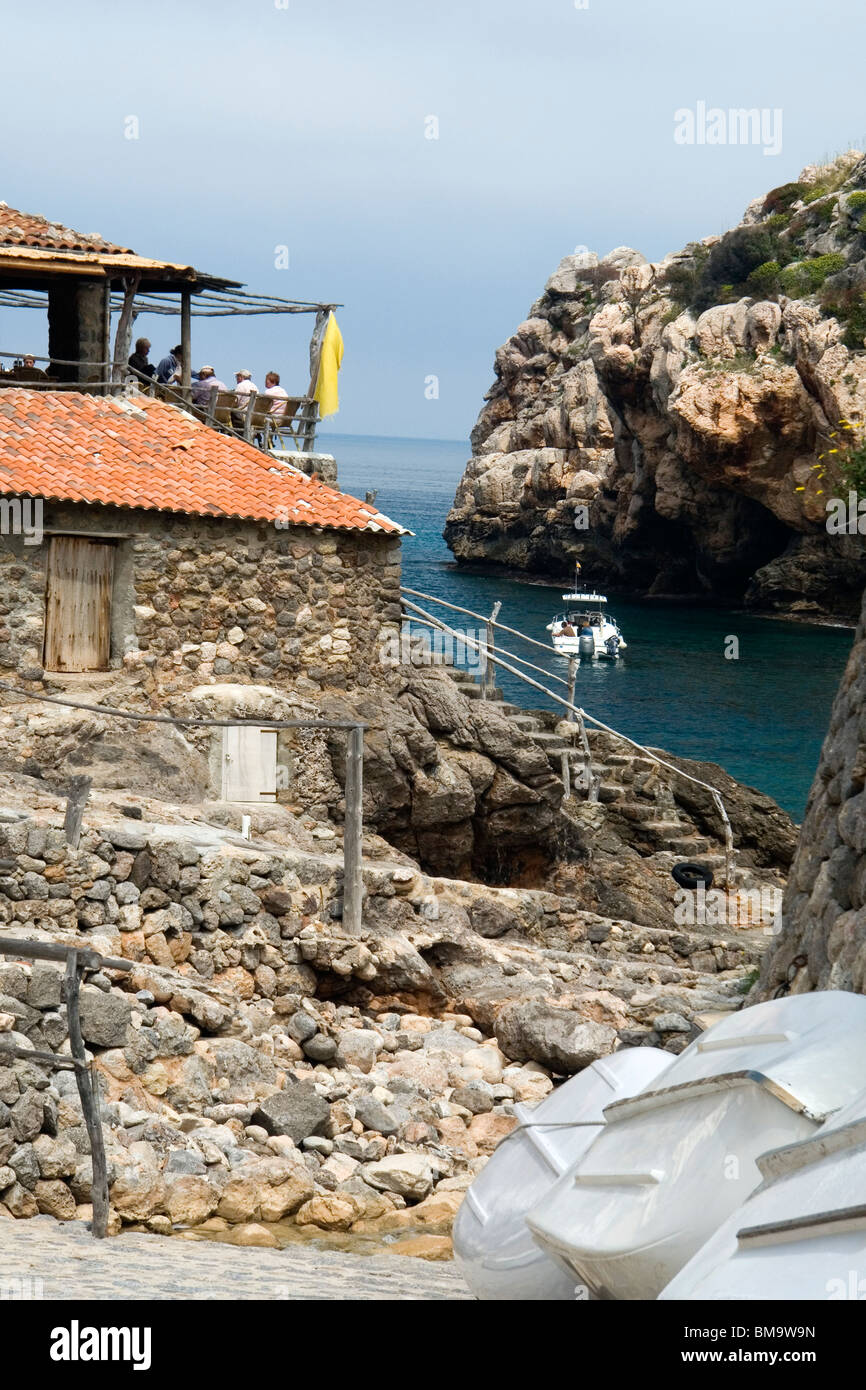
672 1164
802 1234
585 628
497 1255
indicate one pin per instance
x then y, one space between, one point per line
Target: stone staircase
627 783
549 733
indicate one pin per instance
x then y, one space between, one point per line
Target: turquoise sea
763 716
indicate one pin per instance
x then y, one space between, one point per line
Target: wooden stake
572 680
123 334
89 1097
488 687
353 881
76 800
186 344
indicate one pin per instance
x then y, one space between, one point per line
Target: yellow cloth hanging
330 360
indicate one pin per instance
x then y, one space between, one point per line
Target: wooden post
89 1100
76 800
353 828
488 686
566 773
323 313
186 345
123 334
572 680
309 417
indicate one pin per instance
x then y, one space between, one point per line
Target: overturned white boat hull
802 1234
492 1243
672 1164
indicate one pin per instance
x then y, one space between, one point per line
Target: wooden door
78 604
249 764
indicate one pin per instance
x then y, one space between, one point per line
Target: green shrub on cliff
848 305
683 278
764 279
781 199
733 259
807 277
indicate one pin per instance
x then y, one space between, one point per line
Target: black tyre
690 875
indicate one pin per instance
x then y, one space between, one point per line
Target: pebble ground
71 1265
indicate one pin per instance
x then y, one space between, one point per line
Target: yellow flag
330 360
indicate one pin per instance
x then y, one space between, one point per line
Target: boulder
557 1038
296 1111
104 1017
408 1175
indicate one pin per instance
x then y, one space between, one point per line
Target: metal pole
89 1101
353 829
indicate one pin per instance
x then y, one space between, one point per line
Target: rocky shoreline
261 1065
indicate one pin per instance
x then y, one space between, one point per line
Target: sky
426 165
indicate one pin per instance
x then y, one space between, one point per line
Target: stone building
152 541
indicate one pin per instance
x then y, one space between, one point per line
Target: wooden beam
76 800
55 950
89 1100
123 334
572 681
322 316
353 829
488 675
186 344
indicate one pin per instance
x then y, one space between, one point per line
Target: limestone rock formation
661 423
823 940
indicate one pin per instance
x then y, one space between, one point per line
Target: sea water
762 716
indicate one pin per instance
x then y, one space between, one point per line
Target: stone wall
197 598
823 940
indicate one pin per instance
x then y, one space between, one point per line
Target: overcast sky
304 123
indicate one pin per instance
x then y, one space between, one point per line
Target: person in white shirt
244 388
275 390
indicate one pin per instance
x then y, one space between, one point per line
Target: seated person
138 363
274 389
201 388
168 371
28 370
566 630
244 388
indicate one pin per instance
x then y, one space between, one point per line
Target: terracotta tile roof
138 452
29 229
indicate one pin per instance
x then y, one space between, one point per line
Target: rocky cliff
823 940
663 423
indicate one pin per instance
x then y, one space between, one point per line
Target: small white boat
802 1234
585 628
672 1164
492 1244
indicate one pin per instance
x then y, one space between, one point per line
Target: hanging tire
690 875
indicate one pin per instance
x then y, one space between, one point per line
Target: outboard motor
586 642
612 644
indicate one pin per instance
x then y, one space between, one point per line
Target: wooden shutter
249 764
78 604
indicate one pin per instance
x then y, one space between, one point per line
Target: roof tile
73 447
